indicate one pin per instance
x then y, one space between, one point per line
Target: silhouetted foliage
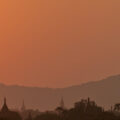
47 116
83 110
117 107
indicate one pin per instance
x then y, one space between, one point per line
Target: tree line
83 110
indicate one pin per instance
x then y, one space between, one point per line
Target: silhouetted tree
83 110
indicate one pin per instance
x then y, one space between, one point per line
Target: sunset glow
58 43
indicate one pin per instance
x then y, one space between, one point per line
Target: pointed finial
23 108
23 102
62 102
4 100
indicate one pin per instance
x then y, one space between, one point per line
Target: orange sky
58 43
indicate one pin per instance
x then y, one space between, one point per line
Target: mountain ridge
105 92
82 84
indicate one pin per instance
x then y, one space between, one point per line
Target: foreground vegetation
83 110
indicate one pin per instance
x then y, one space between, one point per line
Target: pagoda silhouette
7 114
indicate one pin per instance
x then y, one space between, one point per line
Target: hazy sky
58 43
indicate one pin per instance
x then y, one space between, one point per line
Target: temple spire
62 103
23 108
5 108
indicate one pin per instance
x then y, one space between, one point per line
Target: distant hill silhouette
105 92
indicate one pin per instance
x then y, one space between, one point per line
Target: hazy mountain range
104 92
